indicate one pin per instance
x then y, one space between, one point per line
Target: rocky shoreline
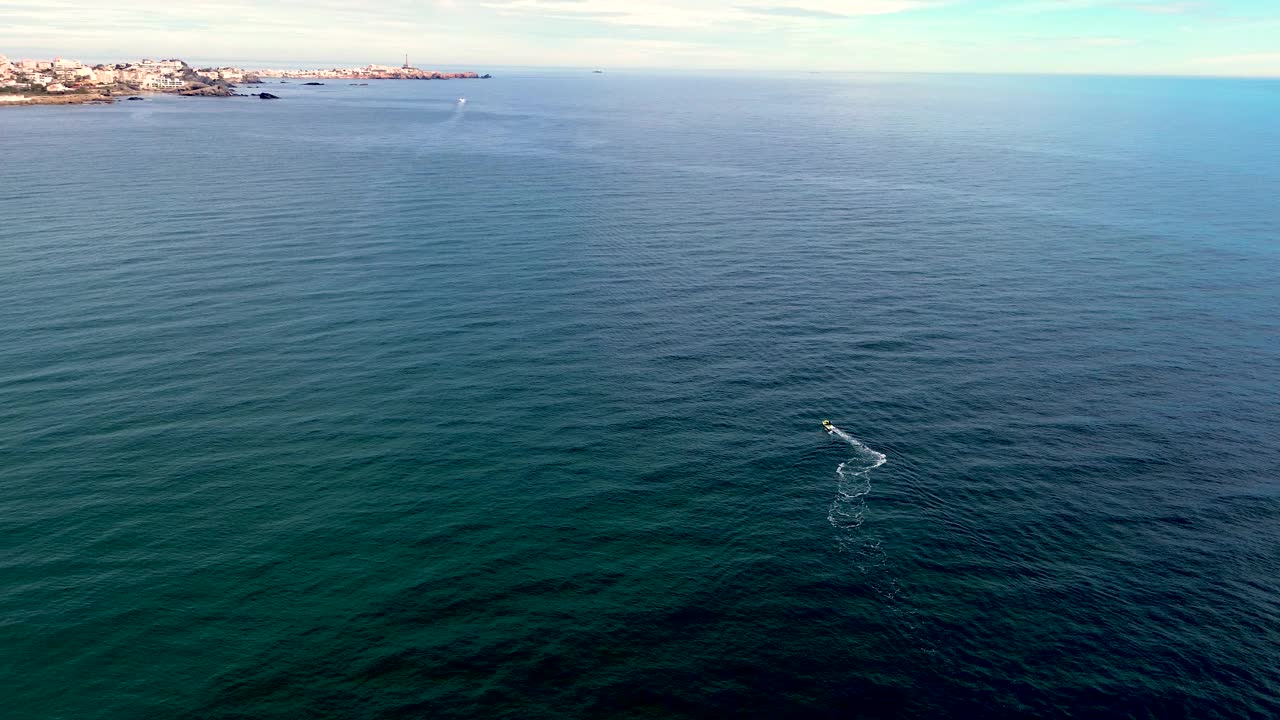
112 95
70 82
108 97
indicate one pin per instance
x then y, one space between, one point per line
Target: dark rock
312 83
135 97
221 90
268 96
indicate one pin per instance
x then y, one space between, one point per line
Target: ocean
367 403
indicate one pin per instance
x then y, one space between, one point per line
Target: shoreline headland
70 82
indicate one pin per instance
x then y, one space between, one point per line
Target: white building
161 65
229 74
160 82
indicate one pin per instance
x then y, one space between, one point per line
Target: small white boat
826 425
462 101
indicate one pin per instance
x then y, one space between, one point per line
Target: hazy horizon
656 69
1089 37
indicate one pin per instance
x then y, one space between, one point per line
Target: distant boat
598 72
462 101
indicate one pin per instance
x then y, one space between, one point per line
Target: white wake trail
863 547
853 483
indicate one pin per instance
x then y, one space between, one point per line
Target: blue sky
1180 37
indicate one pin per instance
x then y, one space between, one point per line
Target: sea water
364 403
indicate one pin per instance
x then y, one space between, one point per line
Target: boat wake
847 513
848 510
854 483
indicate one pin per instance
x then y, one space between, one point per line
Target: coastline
197 90
69 82
368 75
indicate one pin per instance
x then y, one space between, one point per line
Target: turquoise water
367 404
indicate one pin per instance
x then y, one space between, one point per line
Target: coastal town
65 81
369 72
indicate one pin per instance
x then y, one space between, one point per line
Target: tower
406 61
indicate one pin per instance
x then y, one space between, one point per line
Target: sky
1163 37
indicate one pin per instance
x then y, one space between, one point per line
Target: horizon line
286 65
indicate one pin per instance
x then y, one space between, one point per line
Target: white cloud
1105 41
1049 6
1164 8
776 34
1248 64
669 14
1150 7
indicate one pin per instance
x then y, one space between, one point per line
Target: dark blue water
366 404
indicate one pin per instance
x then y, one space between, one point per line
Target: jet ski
826 425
